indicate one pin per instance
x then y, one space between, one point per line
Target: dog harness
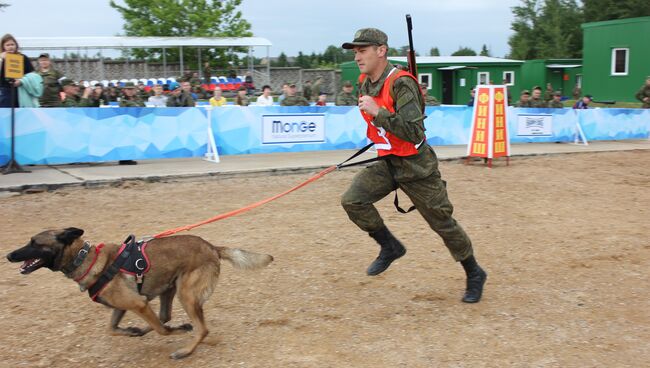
131 259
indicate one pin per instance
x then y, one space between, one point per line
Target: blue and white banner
293 128
66 135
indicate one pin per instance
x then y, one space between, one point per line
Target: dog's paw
180 354
184 327
136 331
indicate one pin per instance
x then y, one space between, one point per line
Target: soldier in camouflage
416 174
556 102
292 98
644 94
72 98
345 97
51 87
130 98
536 99
180 95
524 99
428 99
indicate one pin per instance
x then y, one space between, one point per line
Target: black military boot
475 280
391 249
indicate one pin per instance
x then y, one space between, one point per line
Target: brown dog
185 264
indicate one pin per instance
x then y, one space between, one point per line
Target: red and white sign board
489 134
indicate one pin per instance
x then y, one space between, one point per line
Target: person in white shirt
158 99
265 99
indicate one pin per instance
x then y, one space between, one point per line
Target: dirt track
563 238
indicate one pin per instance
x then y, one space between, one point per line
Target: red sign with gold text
478 143
489 134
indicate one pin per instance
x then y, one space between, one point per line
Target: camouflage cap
44 55
347 83
68 82
367 37
128 85
291 84
525 92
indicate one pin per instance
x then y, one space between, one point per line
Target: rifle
607 102
413 68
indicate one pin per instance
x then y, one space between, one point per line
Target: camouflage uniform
431 101
643 93
242 101
555 104
306 91
416 175
346 99
294 101
51 88
521 103
131 102
185 99
315 88
75 101
537 102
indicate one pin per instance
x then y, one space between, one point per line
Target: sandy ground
563 238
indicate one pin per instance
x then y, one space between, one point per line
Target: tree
197 18
303 61
523 43
282 60
484 51
464 51
599 10
434 52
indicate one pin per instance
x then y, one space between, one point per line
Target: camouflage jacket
537 102
431 101
294 101
643 93
242 101
75 101
306 92
346 99
407 123
51 88
183 100
521 103
132 102
555 104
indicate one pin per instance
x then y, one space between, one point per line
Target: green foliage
545 29
464 51
434 52
485 51
185 18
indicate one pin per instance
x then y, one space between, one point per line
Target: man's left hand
368 105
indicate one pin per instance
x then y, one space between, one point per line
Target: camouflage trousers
429 195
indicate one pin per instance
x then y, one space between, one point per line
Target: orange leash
247 208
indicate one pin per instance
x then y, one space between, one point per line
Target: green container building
562 74
616 58
450 78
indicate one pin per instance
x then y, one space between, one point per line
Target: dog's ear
69 235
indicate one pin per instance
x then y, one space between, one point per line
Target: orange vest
387 143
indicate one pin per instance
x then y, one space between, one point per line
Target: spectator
71 94
556 102
217 99
583 103
548 95
471 98
306 90
644 94
346 98
131 97
112 93
51 96
536 100
577 91
292 98
524 99
428 100
322 99
207 73
158 99
316 88
242 99
30 90
97 97
180 95
265 99
248 83
142 93
285 92
9 45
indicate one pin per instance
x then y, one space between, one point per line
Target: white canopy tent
116 43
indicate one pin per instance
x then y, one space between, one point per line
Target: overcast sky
297 25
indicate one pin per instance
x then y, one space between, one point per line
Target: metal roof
454 59
59 43
453 67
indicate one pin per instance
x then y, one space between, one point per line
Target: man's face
70 90
537 93
524 97
472 92
285 88
423 90
217 92
557 97
140 86
157 89
186 86
292 90
98 90
369 58
242 92
647 82
347 89
266 92
44 63
586 100
130 92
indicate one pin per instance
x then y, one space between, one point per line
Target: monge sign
290 128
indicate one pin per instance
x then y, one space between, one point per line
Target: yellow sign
14 67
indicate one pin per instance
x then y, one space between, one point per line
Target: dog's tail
243 259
